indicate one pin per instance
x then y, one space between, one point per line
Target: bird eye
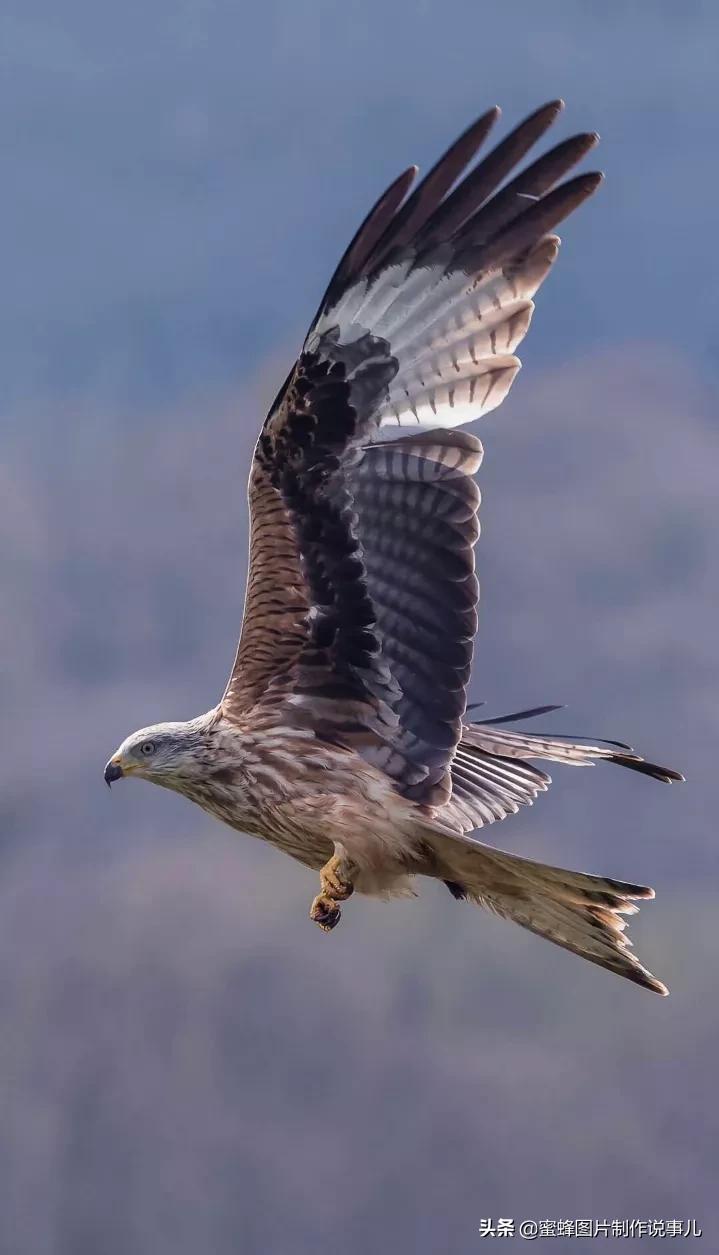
147 747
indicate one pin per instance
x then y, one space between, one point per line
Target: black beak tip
113 772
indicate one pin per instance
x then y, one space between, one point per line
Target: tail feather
579 912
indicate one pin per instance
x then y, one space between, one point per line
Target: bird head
165 753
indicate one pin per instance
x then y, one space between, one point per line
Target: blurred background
186 1064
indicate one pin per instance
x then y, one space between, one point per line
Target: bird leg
335 886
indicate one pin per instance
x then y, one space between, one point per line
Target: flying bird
343 736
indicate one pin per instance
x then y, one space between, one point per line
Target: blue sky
179 180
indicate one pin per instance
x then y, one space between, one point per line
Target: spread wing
362 596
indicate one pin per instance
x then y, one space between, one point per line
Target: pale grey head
175 755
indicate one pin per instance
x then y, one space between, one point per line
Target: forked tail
579 912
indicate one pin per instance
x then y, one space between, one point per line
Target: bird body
343 735
282 784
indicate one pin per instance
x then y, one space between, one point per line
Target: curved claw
325 912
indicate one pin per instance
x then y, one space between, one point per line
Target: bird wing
362 596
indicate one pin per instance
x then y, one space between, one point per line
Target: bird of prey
343 735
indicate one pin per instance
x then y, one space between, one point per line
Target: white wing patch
461 399
454 336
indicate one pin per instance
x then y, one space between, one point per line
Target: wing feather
276 602
362 595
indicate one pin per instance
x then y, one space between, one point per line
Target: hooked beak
113 771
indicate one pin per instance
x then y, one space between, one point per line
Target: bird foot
336 886
336 876
325 912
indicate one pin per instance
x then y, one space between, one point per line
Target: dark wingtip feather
551 109
517 715
489 117
666 774
369 232
587 140
420 206
523 232
579 188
